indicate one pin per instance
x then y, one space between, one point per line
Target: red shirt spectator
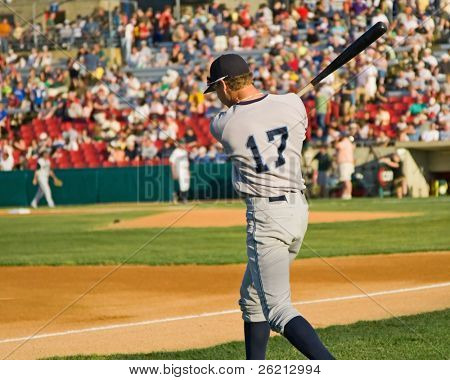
166 19
248 42
144 31
303 11
244 16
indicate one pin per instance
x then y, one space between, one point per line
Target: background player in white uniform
263 135
41 177
179 162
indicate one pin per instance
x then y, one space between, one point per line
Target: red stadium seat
394 119
64 165
371 107
400 107
394 99
79 165
407 99
16 155
100 146
360 114
32 163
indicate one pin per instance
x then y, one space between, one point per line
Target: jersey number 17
262 167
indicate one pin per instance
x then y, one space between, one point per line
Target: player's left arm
215 125
52 174
57 182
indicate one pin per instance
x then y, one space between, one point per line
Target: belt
281 198
278 199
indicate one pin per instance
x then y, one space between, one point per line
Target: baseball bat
364 41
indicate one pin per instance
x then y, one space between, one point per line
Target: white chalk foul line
219 313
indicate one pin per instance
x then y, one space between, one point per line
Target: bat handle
305 89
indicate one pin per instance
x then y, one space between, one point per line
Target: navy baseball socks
256 338
302 336
297 331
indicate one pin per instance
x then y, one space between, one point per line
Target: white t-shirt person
6 162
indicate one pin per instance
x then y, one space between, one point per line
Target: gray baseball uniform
43 174
264 139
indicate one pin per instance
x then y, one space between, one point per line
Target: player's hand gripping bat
369 37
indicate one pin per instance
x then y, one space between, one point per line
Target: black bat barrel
375 32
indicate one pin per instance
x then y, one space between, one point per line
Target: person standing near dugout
263 135
346 164
394 162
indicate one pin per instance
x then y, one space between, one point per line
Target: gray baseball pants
275 231
43 190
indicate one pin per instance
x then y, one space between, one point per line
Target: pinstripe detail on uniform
262 296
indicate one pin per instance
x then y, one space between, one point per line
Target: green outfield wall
129 184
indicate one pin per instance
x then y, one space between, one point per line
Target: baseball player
41 177
179 162
263 135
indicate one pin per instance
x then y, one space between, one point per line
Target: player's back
264 139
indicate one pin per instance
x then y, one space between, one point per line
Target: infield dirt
144 308
220 217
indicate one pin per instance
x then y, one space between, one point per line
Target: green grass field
423 336
63 239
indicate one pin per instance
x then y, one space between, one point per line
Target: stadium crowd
92 111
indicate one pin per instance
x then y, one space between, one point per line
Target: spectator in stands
322 99
202 156
3 117
140 113
127 34
370 74
47 112
131 150
116 154
162 57
71 136
444 64
299 41
430 134
110 127
5 32
148 148
166 150
66 35
190 138
444 134
220 156
6 161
